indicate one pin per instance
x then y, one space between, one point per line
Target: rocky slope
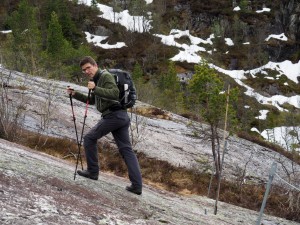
39 188
170 138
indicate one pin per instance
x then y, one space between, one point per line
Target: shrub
11 110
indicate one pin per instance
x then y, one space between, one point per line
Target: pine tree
170 89
208 100
64 17
68 26
171 80
94 3
26 42
137 73
57 45
244 5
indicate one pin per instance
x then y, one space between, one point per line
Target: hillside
57 199
38 189
167 137
160 134
253 46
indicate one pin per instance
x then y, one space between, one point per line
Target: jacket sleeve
107 87
83 98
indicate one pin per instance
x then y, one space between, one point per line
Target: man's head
88 66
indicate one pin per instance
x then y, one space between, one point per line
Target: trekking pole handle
71 92
69 87
91 84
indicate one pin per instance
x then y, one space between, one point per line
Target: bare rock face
283 17
164 135
36 188
290 18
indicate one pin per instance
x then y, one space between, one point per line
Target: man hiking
114 119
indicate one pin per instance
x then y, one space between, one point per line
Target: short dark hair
87 59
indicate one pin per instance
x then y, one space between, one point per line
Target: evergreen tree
68 26
208 100
58 51
61 53
244 5
139 8
137 73
169 80
170 89
94 3
157 16
57 45
26 42
137 76
69 29
117 7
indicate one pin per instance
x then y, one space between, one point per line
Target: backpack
127 96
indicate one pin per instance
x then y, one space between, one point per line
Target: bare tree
242 172
12 108
291 180
137 128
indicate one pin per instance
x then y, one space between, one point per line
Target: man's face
89 69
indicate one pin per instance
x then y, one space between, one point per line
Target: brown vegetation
162 175
153 112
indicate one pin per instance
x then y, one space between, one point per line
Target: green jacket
105 95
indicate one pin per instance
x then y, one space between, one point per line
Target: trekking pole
74 119
84 118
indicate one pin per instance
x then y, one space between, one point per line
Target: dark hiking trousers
117 123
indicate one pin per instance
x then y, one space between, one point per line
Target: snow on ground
149 1
132 23
190 53
264 10
97 41
263 114
5 31
284 136
286 67
281 37
229 42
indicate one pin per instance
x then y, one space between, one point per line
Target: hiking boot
135 190
87 174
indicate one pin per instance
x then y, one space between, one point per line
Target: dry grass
153 112
162 175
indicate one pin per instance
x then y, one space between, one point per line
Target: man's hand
91 85
70 91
